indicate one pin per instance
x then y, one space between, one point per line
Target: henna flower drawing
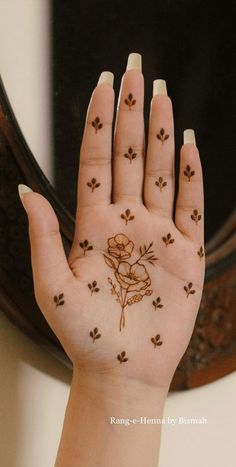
131 280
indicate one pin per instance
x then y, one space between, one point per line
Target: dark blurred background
190 44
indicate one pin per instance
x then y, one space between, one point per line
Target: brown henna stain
195 216
156 340
162 136
189 289
95 334
85 246
168 240
127 216
160 183
130 101
59 299
130 155
188 172
97 124
93 184
122 357
157 303
201 252
93 287
129 277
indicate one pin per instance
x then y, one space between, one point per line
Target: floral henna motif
189 289
195 216
93 287
85 246
188 172
130 155
59 299
130 101
168 240
156 340
127 217
200 252
93 184
95 334
122 357
97 124
162 136
157 303
129 277
160 183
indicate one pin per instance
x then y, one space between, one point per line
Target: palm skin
164 287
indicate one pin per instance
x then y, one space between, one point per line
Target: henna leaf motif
195 216
122 357
188 172
189 289
109 262
93 184
157 303
200 252
130 155
160 183
156 340
93 287
127 216
162 136
86 246
130 101
59 299
95 334
97 124
168 240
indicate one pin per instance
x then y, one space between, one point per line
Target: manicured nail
189 137
106 77
22 189
134 62
159 87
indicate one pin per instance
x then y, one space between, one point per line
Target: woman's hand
124 303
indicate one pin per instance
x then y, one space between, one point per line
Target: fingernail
134 62
189 137
22 189
159 87
106 77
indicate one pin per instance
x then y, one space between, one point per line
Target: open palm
126 299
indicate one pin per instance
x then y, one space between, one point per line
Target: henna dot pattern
86 246
160 183
97 125
189 289
200 252
122 357
93 287
127 216
156 340
130 155
130 101
93 184
157 303
188 172
168 240
195 216
95 334
162 136
59 299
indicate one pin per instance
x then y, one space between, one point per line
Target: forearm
92 438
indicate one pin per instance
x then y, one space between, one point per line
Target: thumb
48 259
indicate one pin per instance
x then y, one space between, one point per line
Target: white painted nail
159 87
22 189
106 77
134 62
189 137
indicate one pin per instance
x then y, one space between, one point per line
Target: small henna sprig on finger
86 246
168 240
195 216
130 155
122 357
189 289
130 101
97 124
157 303
95 334
188 172
93 287
156 340
201 253
162 136
127 216
93 184
160 183
59 299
